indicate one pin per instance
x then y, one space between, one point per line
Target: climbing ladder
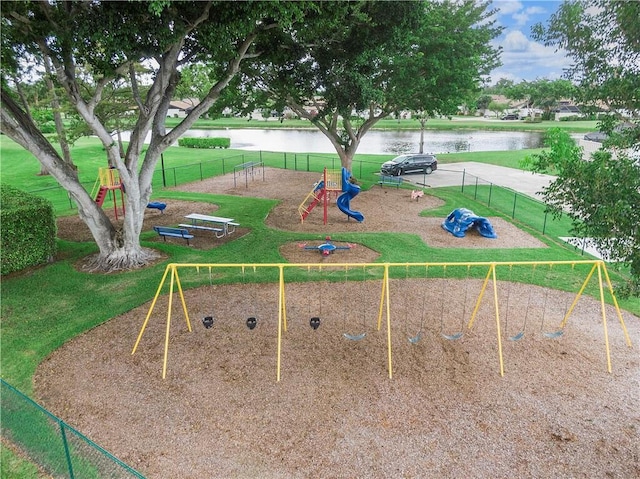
331 182
108 181
317 194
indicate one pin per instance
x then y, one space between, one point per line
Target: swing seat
314 322
252 322
554 334
415 339
354 337
207 321
453 337
517 337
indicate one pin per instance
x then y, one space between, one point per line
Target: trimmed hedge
205 142
28 230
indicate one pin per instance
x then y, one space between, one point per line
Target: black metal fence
517 206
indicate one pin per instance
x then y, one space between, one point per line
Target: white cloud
515 41
524 59
520 18
507 7
535 10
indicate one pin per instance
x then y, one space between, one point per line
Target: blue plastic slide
350 190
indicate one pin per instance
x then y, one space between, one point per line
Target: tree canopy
346 71
96 48
601 194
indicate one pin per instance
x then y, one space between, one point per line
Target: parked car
418 162
511 116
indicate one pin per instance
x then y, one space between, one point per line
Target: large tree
372 59
602 194
96 46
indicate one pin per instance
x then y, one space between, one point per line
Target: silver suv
422 163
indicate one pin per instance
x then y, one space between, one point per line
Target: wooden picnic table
219 225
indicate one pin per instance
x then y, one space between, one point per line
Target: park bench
157 205
390 180
165 231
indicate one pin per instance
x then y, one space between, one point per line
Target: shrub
205 142
533 119
28 230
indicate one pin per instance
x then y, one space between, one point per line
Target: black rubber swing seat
207 321
314 322
252 322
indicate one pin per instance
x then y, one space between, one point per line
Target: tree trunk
57 117
119 249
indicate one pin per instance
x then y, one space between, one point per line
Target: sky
522 57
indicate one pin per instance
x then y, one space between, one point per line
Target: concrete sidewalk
451 174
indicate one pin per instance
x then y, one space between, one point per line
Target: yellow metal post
575 300
386 288
615 303
383 291
280 320
184 303
482 290
604 320
499 336
166 338
153 303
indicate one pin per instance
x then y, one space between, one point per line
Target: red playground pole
326 196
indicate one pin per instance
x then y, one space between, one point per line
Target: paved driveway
451 174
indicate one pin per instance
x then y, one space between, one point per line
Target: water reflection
376 141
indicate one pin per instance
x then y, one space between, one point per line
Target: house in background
519 108
565 108
181 108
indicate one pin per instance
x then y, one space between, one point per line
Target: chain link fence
57 448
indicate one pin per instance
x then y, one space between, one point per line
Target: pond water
377 141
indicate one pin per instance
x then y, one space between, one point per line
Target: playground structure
332 182
107 184
250 169
326 248
382 272
461 219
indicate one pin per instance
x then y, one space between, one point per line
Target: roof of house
568 109
183 104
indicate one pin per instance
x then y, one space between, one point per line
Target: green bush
28 230
533 119
571 118
205 142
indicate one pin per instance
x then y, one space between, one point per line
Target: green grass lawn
44 307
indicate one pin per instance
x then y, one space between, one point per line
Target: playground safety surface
446 413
